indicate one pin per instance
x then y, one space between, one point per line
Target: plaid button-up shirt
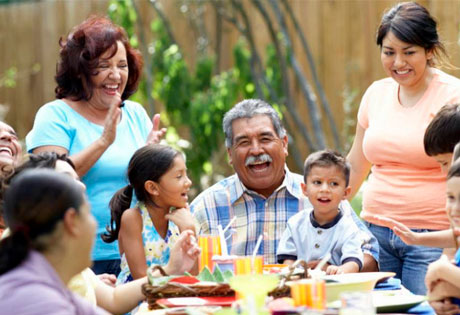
256 215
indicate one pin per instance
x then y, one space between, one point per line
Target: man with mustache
263 194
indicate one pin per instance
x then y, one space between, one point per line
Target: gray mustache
263 158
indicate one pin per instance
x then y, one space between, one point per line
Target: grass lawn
357 202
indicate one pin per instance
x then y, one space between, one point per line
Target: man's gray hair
248 109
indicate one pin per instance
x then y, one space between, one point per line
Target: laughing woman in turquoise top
92 120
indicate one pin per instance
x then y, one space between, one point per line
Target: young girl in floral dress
158 177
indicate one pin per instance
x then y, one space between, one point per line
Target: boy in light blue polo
313 232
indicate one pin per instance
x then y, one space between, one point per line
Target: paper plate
395 301
197 301
390 301
348 282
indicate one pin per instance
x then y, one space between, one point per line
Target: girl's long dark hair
34 204
148 163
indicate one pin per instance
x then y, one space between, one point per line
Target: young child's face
445 160
326 188
453 201
174 186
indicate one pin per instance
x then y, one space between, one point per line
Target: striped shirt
256 215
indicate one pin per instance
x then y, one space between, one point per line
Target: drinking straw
256 249
223 243
229 224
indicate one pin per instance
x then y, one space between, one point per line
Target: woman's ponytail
119 203
14 250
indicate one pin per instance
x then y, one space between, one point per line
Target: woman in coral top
405 184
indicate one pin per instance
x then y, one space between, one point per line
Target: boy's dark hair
443 132
327 158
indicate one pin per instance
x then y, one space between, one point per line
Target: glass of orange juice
244 265
210 246
309 292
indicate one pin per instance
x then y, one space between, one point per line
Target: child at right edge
443 277
312 233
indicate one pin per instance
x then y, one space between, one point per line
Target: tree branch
304 85
163 18
285 77
148 62
218 36
311 62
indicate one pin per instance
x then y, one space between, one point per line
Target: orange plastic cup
309 292
243 265
210 246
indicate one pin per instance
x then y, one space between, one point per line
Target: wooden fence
340 33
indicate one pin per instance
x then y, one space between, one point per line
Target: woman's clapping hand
156 133
111 122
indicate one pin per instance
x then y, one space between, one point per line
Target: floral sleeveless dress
156 248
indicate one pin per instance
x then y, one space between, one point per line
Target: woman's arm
360 166
130 237
125 297
86 158
121 299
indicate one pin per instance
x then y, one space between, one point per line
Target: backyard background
203 56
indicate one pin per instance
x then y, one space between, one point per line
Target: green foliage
123 13
194 101
357 203
8 79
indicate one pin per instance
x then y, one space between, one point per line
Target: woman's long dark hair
412 23
34 203
148 163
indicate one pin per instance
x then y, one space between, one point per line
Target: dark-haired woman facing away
50 242
122 298
405 183
93 122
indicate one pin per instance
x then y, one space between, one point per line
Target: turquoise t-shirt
56 123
